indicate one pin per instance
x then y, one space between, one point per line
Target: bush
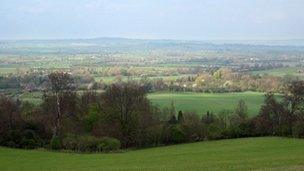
13 139
55 143
88 143
109 144
31 140
214 132
70 143
19 138
298 130
29 143
173 134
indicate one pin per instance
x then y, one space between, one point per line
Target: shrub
13 139
55 143
298 130
22 137
109 144
214 131
89 143
70 143
29 143
173 134
30 139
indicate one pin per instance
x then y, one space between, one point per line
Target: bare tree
60 83
127 103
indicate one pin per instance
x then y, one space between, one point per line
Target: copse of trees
125 113
123 117
284 118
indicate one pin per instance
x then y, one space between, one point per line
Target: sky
153 19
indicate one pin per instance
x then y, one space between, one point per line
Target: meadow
269 153
281 72
203 102
5 71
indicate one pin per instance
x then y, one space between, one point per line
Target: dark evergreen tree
180 117
172 120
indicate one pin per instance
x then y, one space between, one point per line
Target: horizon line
136 38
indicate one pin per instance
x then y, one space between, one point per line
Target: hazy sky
165 19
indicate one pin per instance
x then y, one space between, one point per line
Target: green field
5 71
33 97
202 102
294 71
270 153
191 101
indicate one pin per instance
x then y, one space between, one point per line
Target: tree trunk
58 117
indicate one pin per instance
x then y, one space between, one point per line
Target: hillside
270 153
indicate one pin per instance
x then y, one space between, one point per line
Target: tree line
217 80
122 117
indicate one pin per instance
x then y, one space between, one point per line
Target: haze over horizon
171 19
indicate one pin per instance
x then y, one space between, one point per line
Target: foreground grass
203 102
270 153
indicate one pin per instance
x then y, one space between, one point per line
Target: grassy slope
202 102
237 154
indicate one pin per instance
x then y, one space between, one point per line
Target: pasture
291 71
5 71
269 153
203 102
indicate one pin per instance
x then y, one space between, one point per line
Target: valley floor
267 153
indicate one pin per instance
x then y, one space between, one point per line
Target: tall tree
60 83
294 102
126 105
295 96
269 119
9 113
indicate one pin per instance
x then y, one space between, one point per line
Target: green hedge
88 143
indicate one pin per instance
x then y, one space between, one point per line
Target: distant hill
99 45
